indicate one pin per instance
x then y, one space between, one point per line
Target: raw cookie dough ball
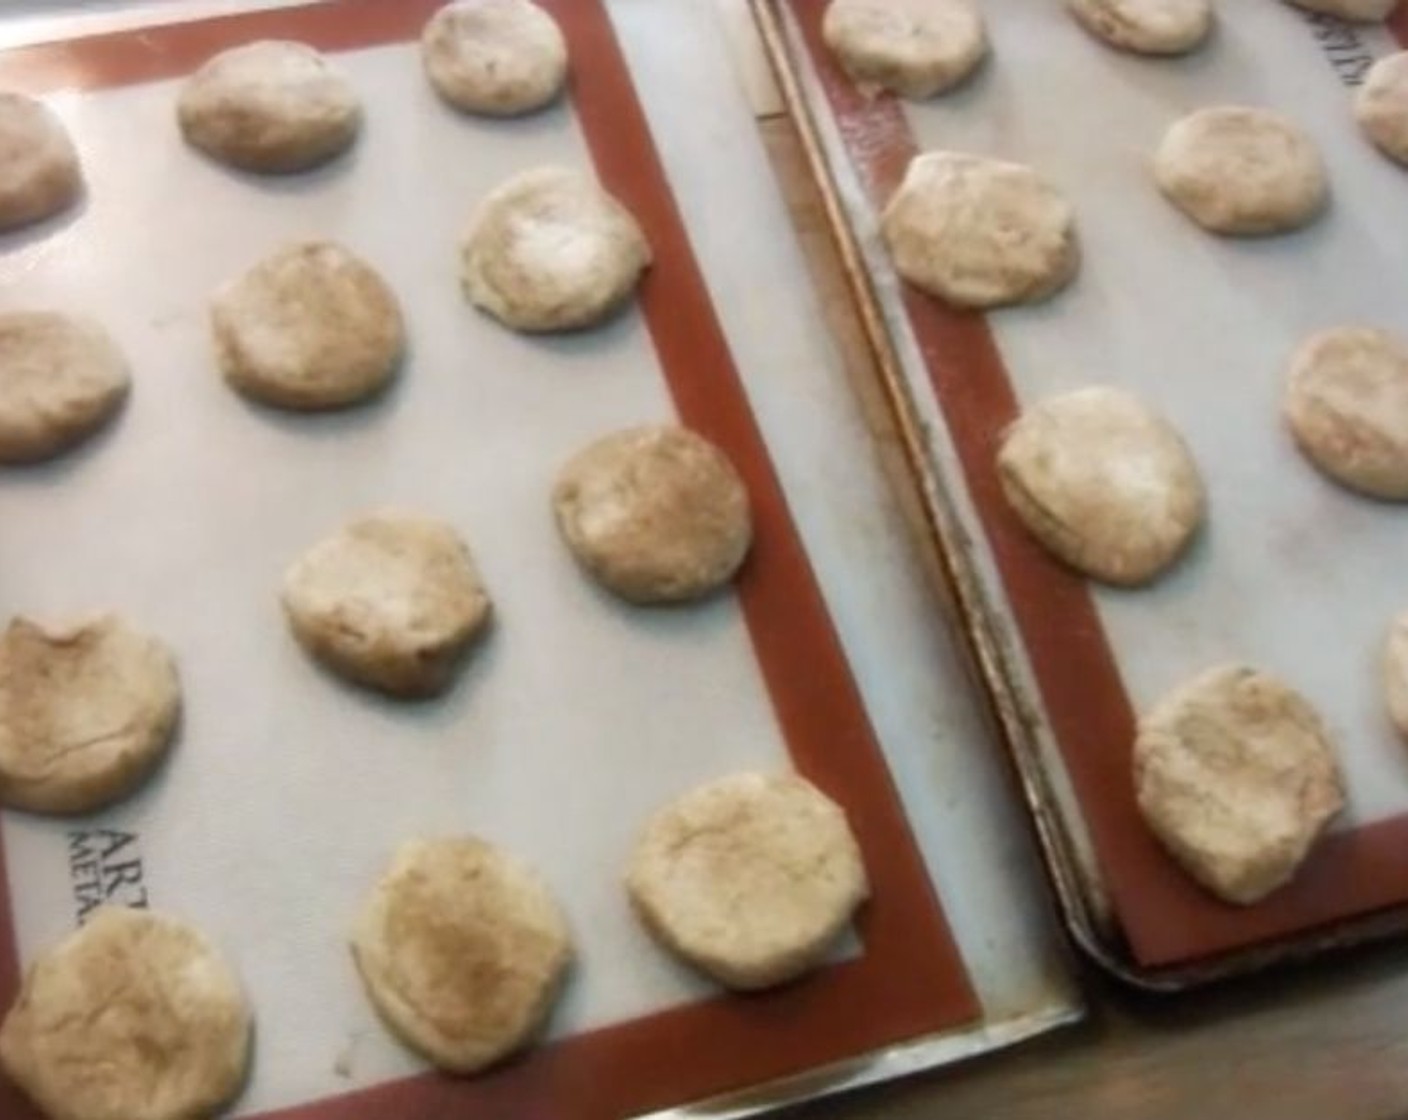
551 251
86 713
1356 11
1347 406
656 514
1106 484
1241 171
1236 775
1381 106
269 106
914 47
135 1016
310 327
39 171
61 379
980 232
1155 27
750 878
391 601
462 950
1395 673
500 57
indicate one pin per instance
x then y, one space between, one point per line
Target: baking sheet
1294 574
578 716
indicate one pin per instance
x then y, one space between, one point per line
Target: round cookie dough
61 379
1395 673
1156 27
1381 106
1356 11
655 514
750 878
271 106
1242 171
1347 407
1237 777
462 950
39 170
310 327
498 57
86 713
916 48
980 232
1104 483
135 1016
391 601
551 251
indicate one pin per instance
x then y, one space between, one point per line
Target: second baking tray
1293 574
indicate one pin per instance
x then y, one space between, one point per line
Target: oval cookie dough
86 713
1347 406
656 514
1381 106
391 601
61 379
980 232
462 950
40 174
1237 776
269 106
550 251
750 878
1242 171
498 57
1356 11
1395 673
135 1016
1157 27
916 48
310 327
1103 482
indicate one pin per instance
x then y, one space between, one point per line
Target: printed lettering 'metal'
105 867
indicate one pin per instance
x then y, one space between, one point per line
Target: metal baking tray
578 715
1294 574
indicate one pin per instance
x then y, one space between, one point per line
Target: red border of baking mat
1166 918
910 981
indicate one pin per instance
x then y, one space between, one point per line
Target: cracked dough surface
86 713
1237 776
549 250
917 48
1156 27
312 326
61 379
390 601
1103 482
750 878
135 1016
1347 406
656 514
1242 171
980 232
269 106
462 951
497 57
39 169
1381 106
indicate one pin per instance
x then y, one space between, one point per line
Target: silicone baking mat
287 792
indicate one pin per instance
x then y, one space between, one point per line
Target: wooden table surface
1323 1042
